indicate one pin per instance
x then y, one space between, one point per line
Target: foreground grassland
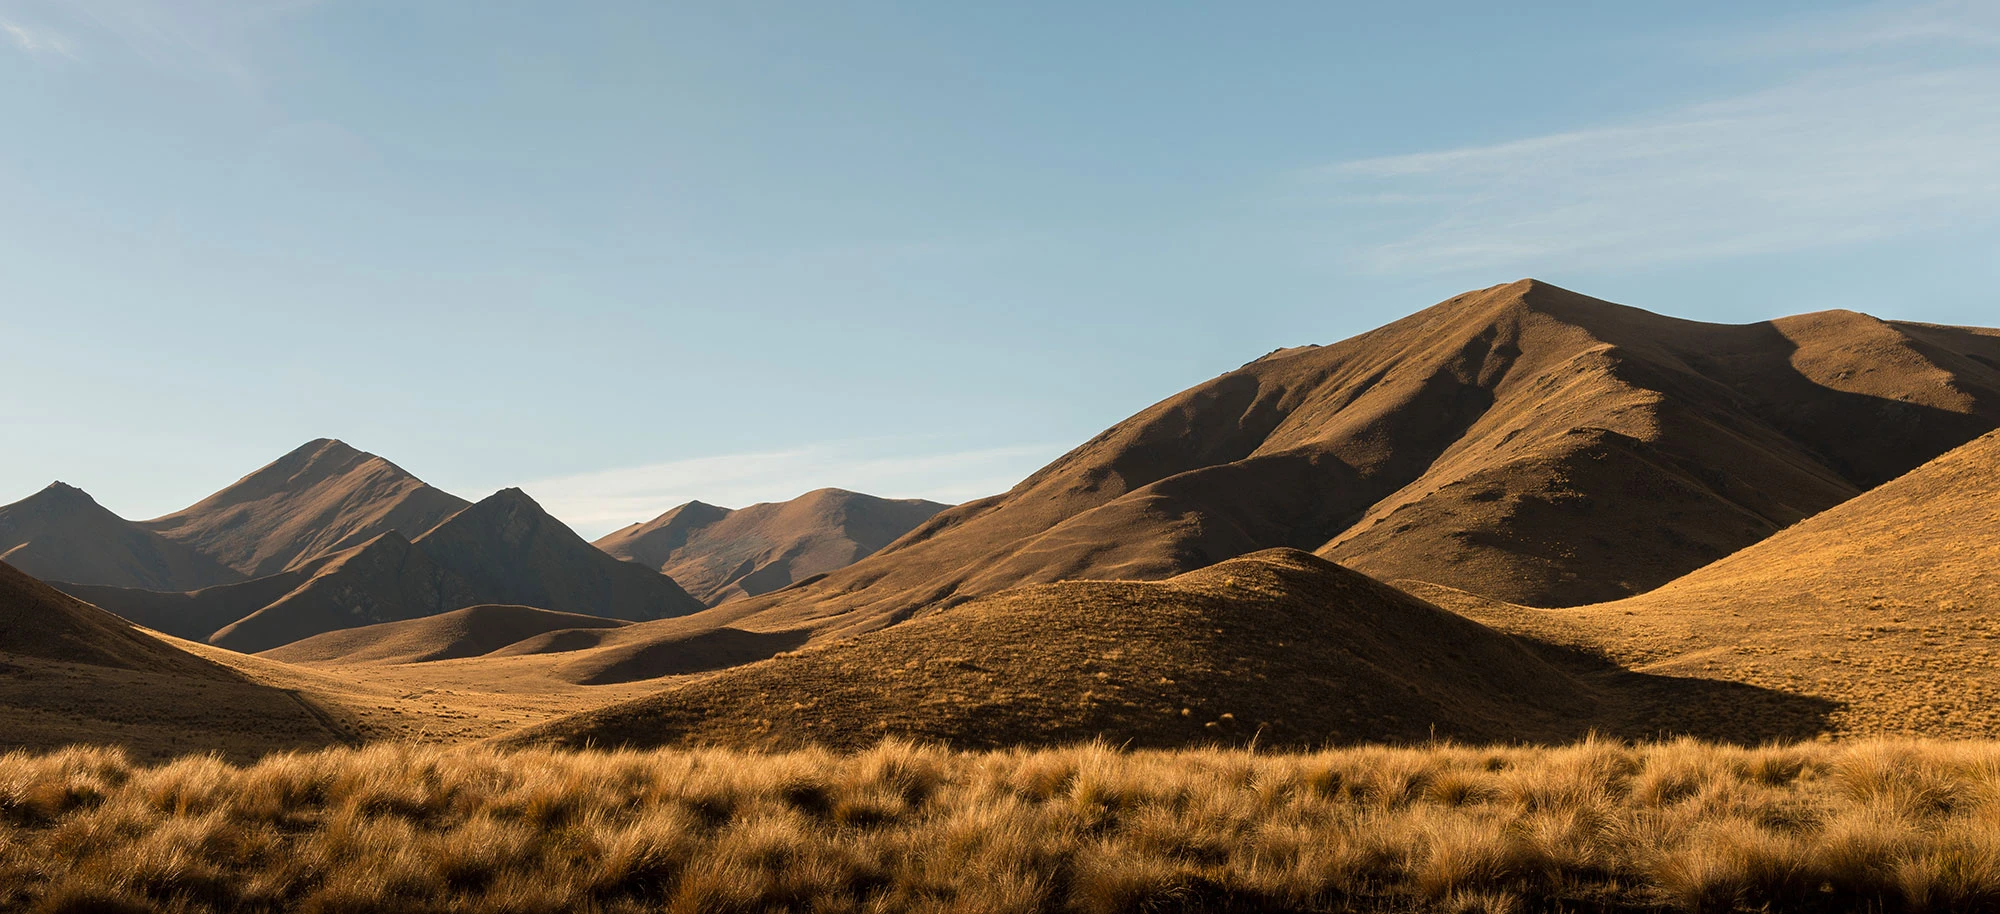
1682 826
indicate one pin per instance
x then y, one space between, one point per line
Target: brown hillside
38 621
386 579
62 534
655 542
468 632
1522 442
73 673
1280 646
720 555
321 498
1888 604
514 552
194 615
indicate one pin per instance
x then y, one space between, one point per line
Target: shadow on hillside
1646 707
1866 439
696 653
1743 429
156 715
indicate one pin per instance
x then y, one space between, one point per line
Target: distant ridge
503 550
62 534
321 498
656 542
720 555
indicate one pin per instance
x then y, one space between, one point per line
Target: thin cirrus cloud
205 40
1965 23
599 502
1870 148
36 40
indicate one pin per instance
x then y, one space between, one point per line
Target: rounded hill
1280 647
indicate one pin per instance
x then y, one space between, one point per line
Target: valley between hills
1522 515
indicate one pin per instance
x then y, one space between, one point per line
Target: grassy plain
1878 826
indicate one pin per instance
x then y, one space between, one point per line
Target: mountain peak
1529 293
61 498
323 444
510 513
1512 303
519 553
319 498
828 494
511 497
719 554
62 491
317 459
62 534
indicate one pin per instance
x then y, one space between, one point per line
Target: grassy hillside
1279 647
70 672
1879 826
1883 606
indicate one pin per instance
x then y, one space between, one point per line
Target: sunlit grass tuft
1875 826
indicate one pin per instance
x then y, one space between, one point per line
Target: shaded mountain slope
1888 604
514 552
718 554
468 632
383 580
1522 442
321 498
62 534
74 673
38 621
1280 646
195 615
503 550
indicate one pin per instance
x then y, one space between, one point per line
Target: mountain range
1522 442
720 555
328 538
1520 514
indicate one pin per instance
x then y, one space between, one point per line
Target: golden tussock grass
1876 826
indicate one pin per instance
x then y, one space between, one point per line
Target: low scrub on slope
1880 826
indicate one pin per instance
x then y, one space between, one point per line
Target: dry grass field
1874 826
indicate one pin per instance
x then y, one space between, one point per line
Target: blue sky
624 255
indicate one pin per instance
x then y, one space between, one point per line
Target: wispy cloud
36 40
1876 26
1858 150
599 502
201 39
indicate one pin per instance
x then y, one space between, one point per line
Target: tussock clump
1880 826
